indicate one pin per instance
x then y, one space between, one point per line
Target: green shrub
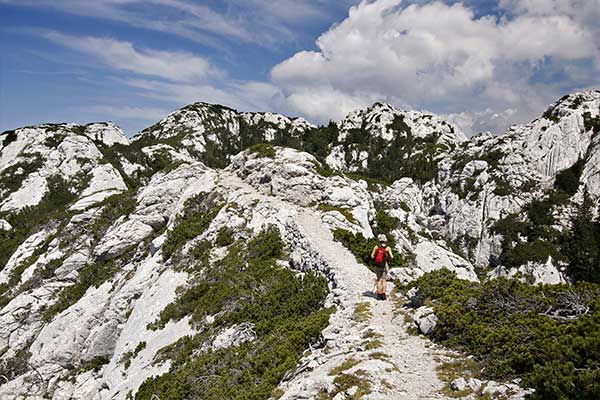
14 366
263 150
582 245
12 177
113 207
128 356
29 220
551 114
591 123
385 222
91 275
518 330
224 237
197 216
502 188
54 140
567 180
95 364
10 137
245 286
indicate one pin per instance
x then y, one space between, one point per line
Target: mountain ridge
98 231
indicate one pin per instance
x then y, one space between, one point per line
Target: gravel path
368 352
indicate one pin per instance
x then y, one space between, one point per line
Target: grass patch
374 344
344 366
346 212
450 370
362 312
95 364
379 355
344 382
371 334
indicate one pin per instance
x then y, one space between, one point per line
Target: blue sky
482 64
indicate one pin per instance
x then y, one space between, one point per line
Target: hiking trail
367 339
368 350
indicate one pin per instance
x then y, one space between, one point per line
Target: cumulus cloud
440 57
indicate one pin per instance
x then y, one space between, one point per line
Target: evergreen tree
582 246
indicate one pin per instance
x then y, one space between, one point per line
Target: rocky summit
222 254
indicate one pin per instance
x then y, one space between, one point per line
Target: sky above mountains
482 64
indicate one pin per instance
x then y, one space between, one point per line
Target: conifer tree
582 246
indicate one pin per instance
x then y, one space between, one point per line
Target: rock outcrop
92 250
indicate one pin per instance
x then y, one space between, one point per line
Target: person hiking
380 255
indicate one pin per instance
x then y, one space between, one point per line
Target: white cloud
259 22
436 56
121 55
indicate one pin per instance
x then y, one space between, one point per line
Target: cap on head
382 238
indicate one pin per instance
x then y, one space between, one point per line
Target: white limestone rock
425 319
234 336
533 272
459 384
24 251
5 225
105 182
430 257
123 237
106 132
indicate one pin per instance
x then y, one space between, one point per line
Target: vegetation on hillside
534 235
547 335
244 287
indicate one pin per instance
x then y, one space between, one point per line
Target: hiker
380 255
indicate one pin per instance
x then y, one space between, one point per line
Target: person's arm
373 252
389 250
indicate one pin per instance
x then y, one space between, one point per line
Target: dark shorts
380 272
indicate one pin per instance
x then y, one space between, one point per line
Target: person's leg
380 281
384 283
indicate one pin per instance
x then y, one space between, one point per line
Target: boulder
234 336
459 384
425 319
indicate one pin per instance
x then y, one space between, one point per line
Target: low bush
94 274
14 366
197 216
263 150
245 286
29 220
567 180
224 237
547 335
11 136
12 177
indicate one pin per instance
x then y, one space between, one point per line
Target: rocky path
368 352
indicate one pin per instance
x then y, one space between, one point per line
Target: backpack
381 257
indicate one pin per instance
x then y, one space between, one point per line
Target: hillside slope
98 232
